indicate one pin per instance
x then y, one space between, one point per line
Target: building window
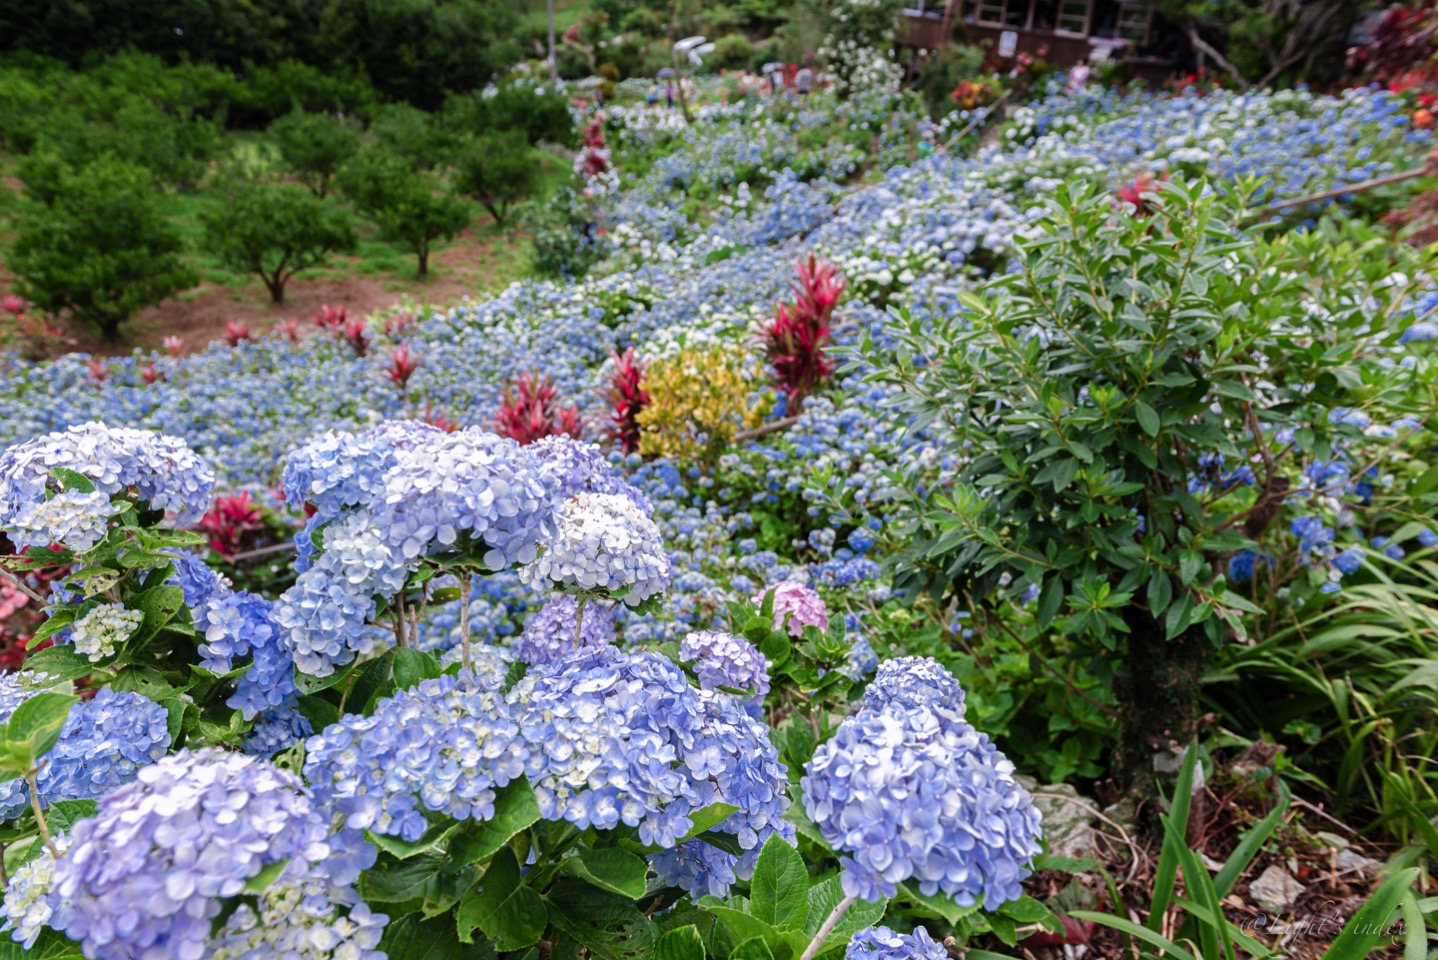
1135 20
1073 17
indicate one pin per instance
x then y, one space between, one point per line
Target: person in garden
1078 75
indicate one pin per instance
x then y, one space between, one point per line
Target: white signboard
1008 43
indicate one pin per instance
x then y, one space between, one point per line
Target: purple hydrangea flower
549 632
724 660
881 943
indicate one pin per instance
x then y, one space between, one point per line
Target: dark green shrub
943 71
496 170
409 209
541 113
411 134
271 92
313 146
101 248
733 52
274 231
563 230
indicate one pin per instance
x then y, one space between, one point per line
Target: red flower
13 303
530 410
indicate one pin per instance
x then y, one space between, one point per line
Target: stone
1068 820
1275 890
1351 861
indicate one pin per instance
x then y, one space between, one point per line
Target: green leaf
36 724
779 892
824 897
509 913
403 849
752 949
48 946
682 943
1025 910
427 882
413 666
1134 930
936 905
412 937
1367 927
1051 597
604 924
515 809
71 480
261 881
1147 417
60 663
612 869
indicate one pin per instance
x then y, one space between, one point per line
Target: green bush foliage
274 231
410 210
313 147
100 248
496 170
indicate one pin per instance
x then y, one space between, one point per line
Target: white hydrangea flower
101 631
606 547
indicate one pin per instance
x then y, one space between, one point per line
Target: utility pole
553 64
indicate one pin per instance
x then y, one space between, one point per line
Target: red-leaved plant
402 365
356 334
231 519
290 330
237 332
627 397
331 318
438 420
98 371
795 341
150 374
1139 193
530 410
35 339
174 346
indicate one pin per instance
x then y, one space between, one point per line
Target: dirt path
471 264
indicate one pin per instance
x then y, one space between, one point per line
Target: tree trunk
109 328
1158 696
276 287
424 262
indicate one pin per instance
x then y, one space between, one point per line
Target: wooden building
1060 30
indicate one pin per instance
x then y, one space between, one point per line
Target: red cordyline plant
437 419
356 334
230 520
98 371
397 323
1139 193
237 332
795 341
627 397
331 318
174 346
596 156
290 330
20 614
530 410
36 339
402 365
150 374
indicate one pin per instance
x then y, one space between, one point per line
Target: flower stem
39 816
826 928
579 618
466 583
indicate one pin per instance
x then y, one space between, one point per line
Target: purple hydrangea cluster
907 790
549 632
881 943
445 745
606 547
236 623
578 467
724 660
104 742
161 471
144 878
617 737
384 501
277 729
605 737
914 682
797 605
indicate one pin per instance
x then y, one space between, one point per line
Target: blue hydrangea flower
578 467
275 730
145 876
605 547
162 471
724 660
910 791
881 943
915 682
549 632
70 518
445 745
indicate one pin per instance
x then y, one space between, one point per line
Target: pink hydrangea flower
803 607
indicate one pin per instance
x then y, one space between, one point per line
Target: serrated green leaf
779 892
682 943
610 868
36 724
515 809
508 912
412 667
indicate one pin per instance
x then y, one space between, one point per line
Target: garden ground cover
697 247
